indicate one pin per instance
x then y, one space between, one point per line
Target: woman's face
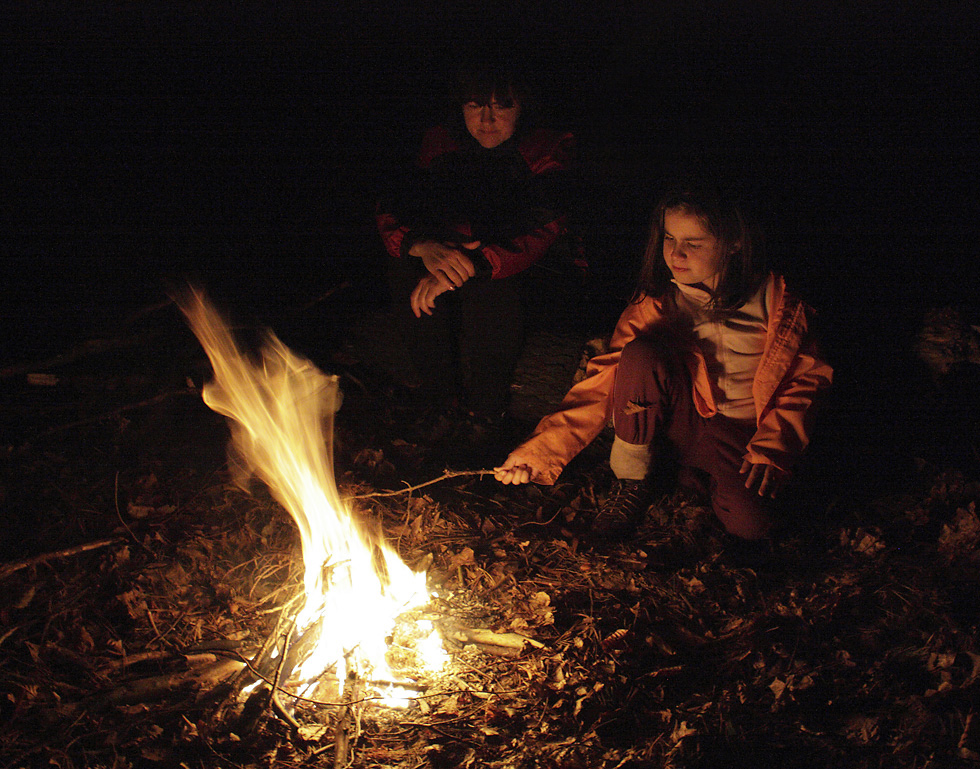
491 124
693 255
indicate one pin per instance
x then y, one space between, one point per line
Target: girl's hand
424 295
446 262
516 469
768 478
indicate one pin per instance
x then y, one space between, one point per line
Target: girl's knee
748 529
643 356
745 522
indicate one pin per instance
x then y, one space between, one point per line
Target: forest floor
137 581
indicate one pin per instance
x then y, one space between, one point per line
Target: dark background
242 145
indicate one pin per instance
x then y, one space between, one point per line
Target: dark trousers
467 349
653 405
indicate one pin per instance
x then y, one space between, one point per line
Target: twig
258 663
443 477
274 693
9 568
326 295
119 513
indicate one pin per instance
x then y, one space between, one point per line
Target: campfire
168 622
334 644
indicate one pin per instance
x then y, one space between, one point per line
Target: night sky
243 144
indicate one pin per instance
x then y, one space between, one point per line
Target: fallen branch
14 566
191 657
116 412
91 347
446 475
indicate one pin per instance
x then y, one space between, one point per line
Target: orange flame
281 411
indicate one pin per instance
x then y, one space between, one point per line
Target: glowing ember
281 410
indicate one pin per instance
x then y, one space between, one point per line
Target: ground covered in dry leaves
137 580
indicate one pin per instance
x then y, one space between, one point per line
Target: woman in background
485 203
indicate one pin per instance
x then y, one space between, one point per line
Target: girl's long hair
743 269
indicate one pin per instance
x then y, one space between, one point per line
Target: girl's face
491 124
693 255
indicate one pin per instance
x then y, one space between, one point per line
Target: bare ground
137 581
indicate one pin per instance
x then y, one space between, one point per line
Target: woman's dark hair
484 80
743 269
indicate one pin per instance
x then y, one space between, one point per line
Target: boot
623 510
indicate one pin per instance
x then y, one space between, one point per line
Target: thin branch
119 513
443 477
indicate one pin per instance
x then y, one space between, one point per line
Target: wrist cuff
408 241
481 264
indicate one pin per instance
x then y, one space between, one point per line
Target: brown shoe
623 510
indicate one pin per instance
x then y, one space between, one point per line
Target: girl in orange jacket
712 365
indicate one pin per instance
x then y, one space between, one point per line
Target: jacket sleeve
392 233
587 408
783 424
529 248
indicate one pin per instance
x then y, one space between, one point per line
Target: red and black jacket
510 198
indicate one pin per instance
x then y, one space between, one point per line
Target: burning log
347 725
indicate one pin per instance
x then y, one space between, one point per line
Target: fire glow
281 410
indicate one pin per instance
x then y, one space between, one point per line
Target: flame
281 410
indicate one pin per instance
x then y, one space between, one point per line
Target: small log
155 687
325 295
501 644
136 659
192 657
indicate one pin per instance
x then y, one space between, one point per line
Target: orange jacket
789 376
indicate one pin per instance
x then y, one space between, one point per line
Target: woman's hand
516 469
424 295
768 478
446 262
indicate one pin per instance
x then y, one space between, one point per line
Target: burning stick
348 724
446 475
